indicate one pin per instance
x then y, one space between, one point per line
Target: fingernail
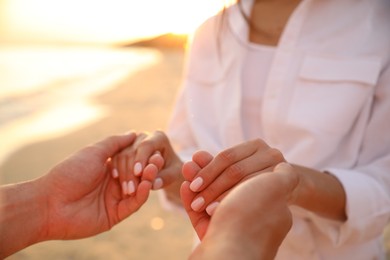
197 204
211 208
157 184
124 188
137 168
115 173
195 184
131 187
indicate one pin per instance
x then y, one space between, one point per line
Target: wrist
320 193
22 217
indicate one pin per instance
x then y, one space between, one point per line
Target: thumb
283 167
290 178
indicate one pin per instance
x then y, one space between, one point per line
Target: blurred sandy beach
127 98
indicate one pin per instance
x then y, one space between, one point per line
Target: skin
154 148
78 198
317 191
124 168
258 230
268 19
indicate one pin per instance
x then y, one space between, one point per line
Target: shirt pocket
330 92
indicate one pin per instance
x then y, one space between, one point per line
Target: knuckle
259 142
210 193
275 155
122 157
235 172
159 134
227 156
146 144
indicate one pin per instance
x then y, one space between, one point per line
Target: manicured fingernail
197 204
115 173
130 187
124 188
211 208
137 168
195 184
157 184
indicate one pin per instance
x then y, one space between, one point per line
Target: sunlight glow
101 21
157 223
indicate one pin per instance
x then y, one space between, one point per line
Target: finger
143 192
199 160
136 167
110 167
221 162
201 203
189 170
132 181
148 147
132 204
199 220
150 173
113 144
283 167
291 179
157 160
230 178
263 159
121 166
212 206
187 196
202 158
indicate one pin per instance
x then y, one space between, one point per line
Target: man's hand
83 199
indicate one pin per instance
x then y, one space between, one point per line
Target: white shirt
255 70
326 105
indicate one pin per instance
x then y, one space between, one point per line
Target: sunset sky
99 21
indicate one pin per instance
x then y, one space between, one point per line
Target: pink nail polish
131 187
211 208
137 168
115 173
195 184
124 188
197 204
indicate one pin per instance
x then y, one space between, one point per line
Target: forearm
320 193
22 217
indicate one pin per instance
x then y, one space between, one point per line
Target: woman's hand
227 169
155 149
250 222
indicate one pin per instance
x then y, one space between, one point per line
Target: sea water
48 91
